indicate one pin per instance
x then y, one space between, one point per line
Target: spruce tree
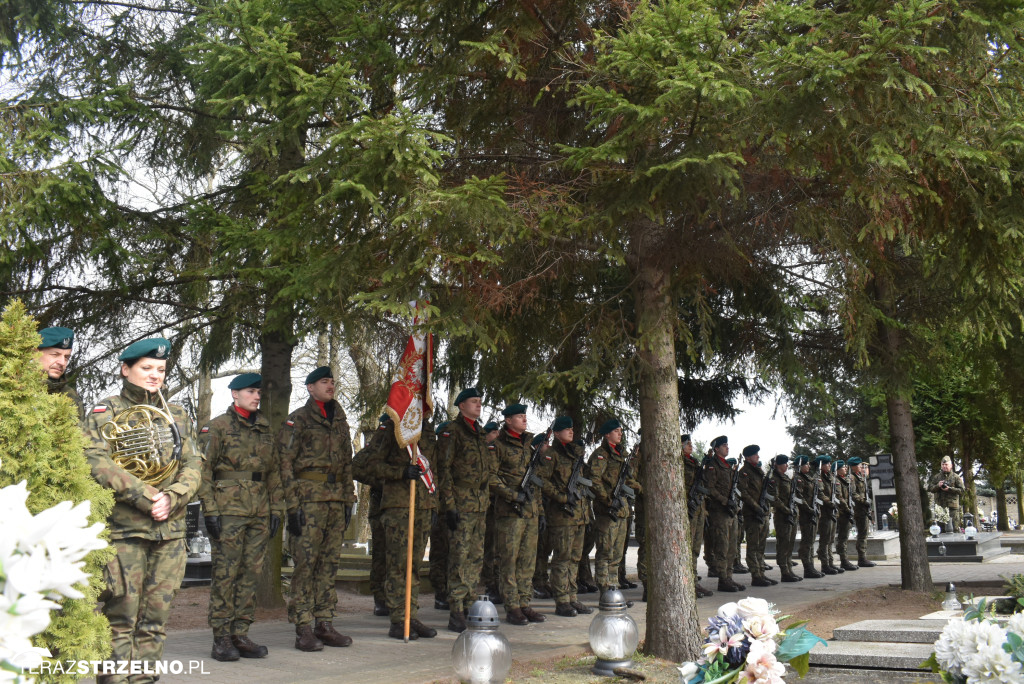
41 442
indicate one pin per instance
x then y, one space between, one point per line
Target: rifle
530 477
578 487
794 501
734 494
765 498
698 488
870 496
849 495
816 503
623 491
834 500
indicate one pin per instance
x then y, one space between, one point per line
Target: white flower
762 666
727 610
688 671
754 607
992 665
953 646
761 628
1016 624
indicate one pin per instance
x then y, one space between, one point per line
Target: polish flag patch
290 423
100 408
206 428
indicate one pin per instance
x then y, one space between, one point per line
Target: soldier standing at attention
691 469
147 524
845 522
565 520
829 514
465 491
611 513
947 488
861 509
378 565
243 506
517 518
755 520
541 583
805 483
721 514
736 535
315 451
439 531
54 355
785 529
489 573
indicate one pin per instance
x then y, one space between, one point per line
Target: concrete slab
879 656
956 548
894 631
881 545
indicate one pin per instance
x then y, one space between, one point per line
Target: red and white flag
409 398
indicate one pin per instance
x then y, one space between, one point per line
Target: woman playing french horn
144 450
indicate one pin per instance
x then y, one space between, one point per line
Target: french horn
145 441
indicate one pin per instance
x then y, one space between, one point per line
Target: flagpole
409 545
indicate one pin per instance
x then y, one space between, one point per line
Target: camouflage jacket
751 479
860 493
313 451
828 485
783 490
512 458
555 472
382 463
469 465
948 497
133 498
606 462
361 470
719 483
230 444
843 493
61 386
804 490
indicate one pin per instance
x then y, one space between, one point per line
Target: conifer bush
42 442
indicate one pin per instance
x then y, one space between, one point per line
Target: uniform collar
471 424
138 395
54 386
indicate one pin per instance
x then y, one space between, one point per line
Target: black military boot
421 629
810 572
565 610
580 608
790 577
326 633
702 592
380 609
865 563
760 581
845 564
440 602
305 640
740 569
397 631
712 572
541 592
457 621
516 617
494 596
247 647
532 615
224 650
827 569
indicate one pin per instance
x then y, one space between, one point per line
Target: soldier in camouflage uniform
611 512
489 572
755 520
465 491
829 516
388 466
243 507
691 469
147 524
315 452
721 515
541 582
54 355
805 482
785 519
861 510
439 531
378 568
517 515
736 534
565 521
946 486
845 523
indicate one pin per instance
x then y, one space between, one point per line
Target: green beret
825 458
245 381
539 438
730 460
803 459
719 441
609 425
750 450
490 425
465 394
513 410
685 439
319 374
781 459
61 338
440 427
839 463
561 423
153 348
855 461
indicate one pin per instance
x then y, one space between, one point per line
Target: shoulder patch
206 428
491 447
383 427
99 408
546 457
290 423
446 434
600 456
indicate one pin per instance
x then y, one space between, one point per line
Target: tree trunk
203 408
673 631
1002 524
1019 486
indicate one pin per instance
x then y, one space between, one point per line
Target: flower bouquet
745 644
940 514
894 514
975 649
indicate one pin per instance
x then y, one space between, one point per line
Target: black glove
520 498
452 518
213 526
412 472
348 513
542 524
588 528
296 521
275 525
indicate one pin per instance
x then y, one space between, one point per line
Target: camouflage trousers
465 558
954 518
567 543
736 539
697 522
754 530
540 570
785 535
843 528
439 542
584 573
489 569
515 546
861 519
718 542
237 563
378 567
826 538
808 531
395 522
610 535
316 552
141 582
640 532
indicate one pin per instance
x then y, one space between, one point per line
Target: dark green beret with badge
490 426
802 460
538 439
465 394
839 463
440 427
719 441
513 410
561 423
823 458
781 459
246 381
730 460
609 425
855 461
750 450
319 374
61 338
154 348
